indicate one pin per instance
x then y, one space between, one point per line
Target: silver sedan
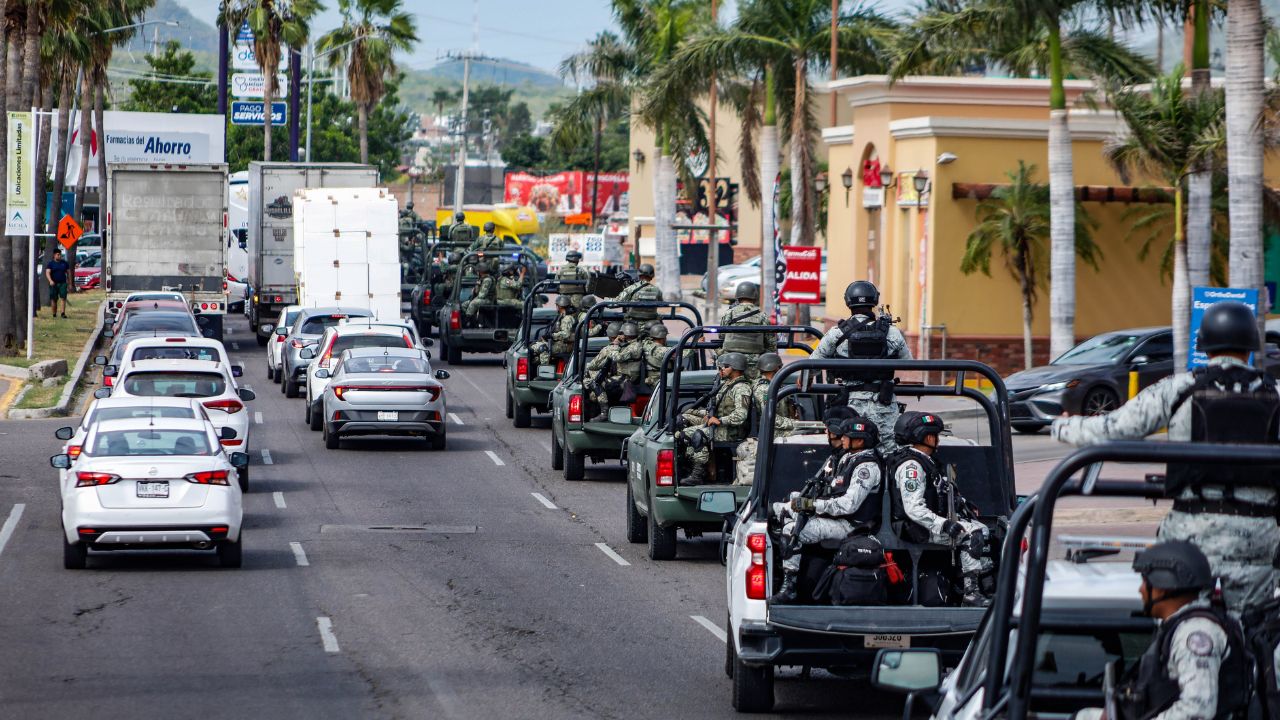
383 391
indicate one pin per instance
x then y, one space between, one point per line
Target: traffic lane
146 634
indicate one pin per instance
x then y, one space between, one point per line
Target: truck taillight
575 408
666 468
758 572
426 297
522 369
455 320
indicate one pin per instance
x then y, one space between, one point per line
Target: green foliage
525 152
156 96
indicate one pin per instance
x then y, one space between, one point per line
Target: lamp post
415 172
311 62
846 179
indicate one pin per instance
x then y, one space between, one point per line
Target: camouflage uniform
461 232
865 402
596 329
731 405
749 344
1240 549
782 419
909 482
509 291
648 356
571 271
561 339
858 472
486 243
607 355
484 295
640 291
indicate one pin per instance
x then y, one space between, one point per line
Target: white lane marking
494 457
235 345
266 457
327 637
299 554
257 417
279 498
11 524
711 627
545 502
612 555
473 384
457 420
545 445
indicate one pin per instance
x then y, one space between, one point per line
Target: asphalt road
380 580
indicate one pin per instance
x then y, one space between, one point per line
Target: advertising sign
242 57
568 193
248 112
253 85
165 138
21 174
802 283
590 245
907 195
1201 299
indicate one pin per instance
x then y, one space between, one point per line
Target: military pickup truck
846 639
574 437
494 326
657 506
429 294
529 384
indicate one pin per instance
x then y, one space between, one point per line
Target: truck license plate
388 416
886 641
153 489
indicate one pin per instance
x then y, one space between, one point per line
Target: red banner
568 193
803 282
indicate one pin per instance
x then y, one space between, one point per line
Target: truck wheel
523 415
454 355
290 388
316 417
752 687
557 455
637 531
574 465
511 413
275 375
662 541
75 556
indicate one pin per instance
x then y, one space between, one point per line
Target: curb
77 374
14 372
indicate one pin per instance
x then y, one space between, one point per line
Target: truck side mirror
907 671
99 359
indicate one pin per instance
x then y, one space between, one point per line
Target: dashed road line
266 457
456 420
279 499
257 418
545 502
711 627
299 554
330 641
11 524
612 555
494 457
235 345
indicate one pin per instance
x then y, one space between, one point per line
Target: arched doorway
873 202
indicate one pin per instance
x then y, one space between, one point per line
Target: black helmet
768 362
734 360
455 257
408 205
459 216
508 268
747 291
646 270
860 428
613 329
587 301
1177 566
1228 326
861 293
564 301
573 256
913 427
489 226
630 329
658 331
483 266
836 416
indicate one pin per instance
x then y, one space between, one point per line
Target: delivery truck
347 249
167 231
270 240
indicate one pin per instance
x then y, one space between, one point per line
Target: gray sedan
307 329
383 391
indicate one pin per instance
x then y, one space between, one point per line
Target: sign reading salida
802 284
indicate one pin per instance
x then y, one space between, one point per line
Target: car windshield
174 384
347 342
318 324
138 411
92 261
159 322
384 364
1099 350
175 352
1075 658
149 441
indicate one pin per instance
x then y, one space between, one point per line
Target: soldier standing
1228 511
744 311
459 231
487 242
511 286
642 290
572 273
724 419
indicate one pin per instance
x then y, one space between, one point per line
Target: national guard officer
649 350
485 293
923 496
511 285
602 367
588 302
744 311
452 266
724 418
865 335
642 290
487 242
834 504
1233 523
571 272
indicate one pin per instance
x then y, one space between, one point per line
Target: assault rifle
948 483
812 490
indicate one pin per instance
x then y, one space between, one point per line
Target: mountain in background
194 33
496 72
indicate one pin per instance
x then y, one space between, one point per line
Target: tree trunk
1245 33
86 138
1062 204
666 251
1181 310
10 82
1199 221
56 211
31 55
268 92
99 122
769 158
362 123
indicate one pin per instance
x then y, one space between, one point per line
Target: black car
1091 378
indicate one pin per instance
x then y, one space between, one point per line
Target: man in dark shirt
56 273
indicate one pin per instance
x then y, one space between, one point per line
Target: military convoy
529 383
485 327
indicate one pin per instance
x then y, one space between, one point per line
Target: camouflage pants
698 457
472 307
1240 551
884 416
815 530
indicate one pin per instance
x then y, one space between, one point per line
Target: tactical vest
722 432
866 340
507 291
749 343
903 525
643 292
462 232
572 272
868 513
1220 414
1147 690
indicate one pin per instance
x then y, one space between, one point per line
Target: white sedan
143 484
275 343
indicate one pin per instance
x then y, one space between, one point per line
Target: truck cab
494 326
529 384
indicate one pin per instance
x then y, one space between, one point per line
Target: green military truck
494 326
574 437
428 296
529 384
657 506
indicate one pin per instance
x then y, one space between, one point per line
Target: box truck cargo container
347 249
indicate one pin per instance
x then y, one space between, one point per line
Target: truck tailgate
167 228
888 620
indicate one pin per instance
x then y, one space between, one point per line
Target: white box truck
270 240
167 230
347 249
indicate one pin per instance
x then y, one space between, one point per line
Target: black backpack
1262 639
856 575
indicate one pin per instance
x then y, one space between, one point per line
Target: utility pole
460 175
713 207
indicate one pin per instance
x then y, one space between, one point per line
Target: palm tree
1245 38
1016 220
375 30
441 97
1171 133
273 22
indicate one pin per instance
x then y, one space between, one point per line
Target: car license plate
886 641
153 489
386 416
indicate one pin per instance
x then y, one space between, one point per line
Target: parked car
730 277
306 330
275 347
337 340
143 484
1091 378
89 272
383 391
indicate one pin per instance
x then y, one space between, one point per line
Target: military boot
697 477
787 593
973 595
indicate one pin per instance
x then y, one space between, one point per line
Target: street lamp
886 177
920 181
846 179
311 77
820 183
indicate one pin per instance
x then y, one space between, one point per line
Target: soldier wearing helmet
570 272
602 367
642 290
488 242
511 285
868 335
486 289
832 505
745 311
922 496
1229 511
722 417
647 353
768 365
586 303
460 231
560 342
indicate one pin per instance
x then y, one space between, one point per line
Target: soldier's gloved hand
803 505
976 542
952 529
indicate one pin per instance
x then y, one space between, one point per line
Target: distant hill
496 72
194 33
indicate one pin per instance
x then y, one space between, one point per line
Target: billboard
802 281
1201 299
568 193
170 138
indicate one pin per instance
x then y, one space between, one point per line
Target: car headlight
1059 385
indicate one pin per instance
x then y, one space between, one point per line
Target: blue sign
68 201
1201 299
244 34
249 112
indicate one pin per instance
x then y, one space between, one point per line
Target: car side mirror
237 371
718 502
1140 360
442 374
227 433
99 359
322 373
428 342
62 462
239 460
246 394
108 334
306 353
907 671
102 393
281 331
109 371
64 433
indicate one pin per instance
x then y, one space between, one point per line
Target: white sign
170 138
253 85
21 174
243 57
591 247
